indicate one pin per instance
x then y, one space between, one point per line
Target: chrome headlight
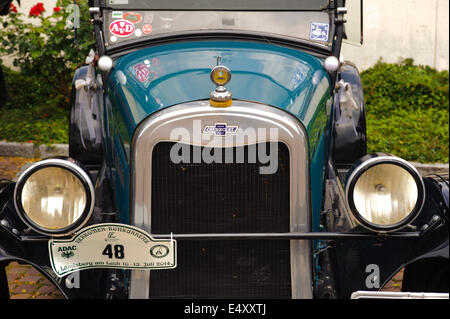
54 196
384 192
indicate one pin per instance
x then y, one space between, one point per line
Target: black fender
430 271
85 132
360 260
349 129
6 259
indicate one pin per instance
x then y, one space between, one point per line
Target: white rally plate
111 246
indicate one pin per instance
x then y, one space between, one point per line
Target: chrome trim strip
247 115
398 295
139 284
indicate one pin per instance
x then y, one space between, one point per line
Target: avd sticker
122 28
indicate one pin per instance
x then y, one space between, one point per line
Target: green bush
29 91
33 112
34 126
407 109
47 49
46 55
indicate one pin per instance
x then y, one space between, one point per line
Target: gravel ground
25 282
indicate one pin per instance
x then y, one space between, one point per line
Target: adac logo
220 129
159 251
67 251
121 28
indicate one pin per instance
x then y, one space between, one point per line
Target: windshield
126 20
235 5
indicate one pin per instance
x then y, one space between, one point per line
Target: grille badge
221 129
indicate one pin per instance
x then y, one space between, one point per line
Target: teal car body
263 73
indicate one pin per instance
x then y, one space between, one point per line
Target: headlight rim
79 172
369 161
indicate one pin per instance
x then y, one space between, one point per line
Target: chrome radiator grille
219 198
222 198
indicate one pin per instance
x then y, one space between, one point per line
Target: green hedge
34 112
407 109
47 54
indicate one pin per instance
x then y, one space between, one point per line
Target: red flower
13 8
56 9
37 9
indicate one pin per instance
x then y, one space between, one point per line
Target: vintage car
218 150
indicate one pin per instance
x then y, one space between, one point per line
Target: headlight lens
384 192
54 197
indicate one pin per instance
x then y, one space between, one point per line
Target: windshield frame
169 6
315 48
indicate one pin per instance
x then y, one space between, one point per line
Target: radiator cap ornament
220 97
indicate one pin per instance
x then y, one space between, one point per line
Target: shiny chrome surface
220 94
220 75
397 295
247 116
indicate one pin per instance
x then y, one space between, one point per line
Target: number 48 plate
111 246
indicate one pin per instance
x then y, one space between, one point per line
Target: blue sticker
319 31
220 129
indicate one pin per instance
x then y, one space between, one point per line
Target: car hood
148 80
154 78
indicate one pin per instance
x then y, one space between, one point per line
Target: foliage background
45 57
407 110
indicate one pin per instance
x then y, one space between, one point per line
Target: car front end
220 152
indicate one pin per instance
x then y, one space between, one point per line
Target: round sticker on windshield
147 28
132 17
121 28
